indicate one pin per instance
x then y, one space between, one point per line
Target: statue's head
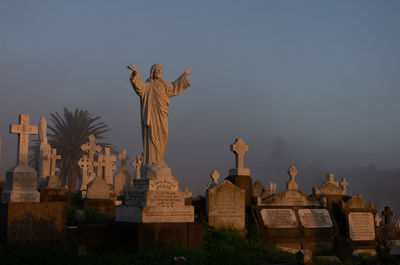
156 72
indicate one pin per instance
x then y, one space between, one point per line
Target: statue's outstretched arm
180 84
136 82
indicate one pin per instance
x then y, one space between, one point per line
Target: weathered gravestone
293 220
358 225
239 175
106 167
21 181
226 206
100 196
123 179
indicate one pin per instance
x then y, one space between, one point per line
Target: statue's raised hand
188 72
132 68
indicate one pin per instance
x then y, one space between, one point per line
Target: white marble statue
154 94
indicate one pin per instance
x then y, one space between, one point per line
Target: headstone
21 181
226 206
99 189
86 163
123 178
105 164
387 213
45 150
357 224
137 165
53 178
293 220
156 199
331 187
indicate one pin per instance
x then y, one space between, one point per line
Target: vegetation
67 132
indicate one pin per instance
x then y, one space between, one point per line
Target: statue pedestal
21 186
155 199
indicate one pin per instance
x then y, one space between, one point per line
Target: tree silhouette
67 133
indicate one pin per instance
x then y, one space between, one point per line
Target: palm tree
67 133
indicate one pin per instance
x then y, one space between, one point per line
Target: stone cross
53 158
344 184
84 164
378 219
23 129
137 164
123 157
106 161
387 213
91 148
239 148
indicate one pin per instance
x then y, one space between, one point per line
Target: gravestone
137 165
358 225
239 175
387 213
123 179
21 181
44 153
214 180
293 220
106 167
226 206
156 199
86 163
54 192
100 196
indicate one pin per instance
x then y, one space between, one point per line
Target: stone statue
154 94
43 130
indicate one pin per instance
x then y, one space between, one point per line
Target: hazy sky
322 75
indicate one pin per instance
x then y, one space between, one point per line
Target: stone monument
45 150
239 175
106 167
21 181
86 163
155 196
123 178
293 220
225 206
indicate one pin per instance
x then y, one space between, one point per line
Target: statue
43 130
154 94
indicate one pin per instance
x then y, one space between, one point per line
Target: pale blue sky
322 75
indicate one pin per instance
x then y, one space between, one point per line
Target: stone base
154 214
20 196
55 195
153 235
102 205
36 222
239 172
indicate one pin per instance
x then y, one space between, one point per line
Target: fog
310 83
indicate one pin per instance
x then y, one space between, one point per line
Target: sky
323 76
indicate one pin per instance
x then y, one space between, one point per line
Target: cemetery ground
95 242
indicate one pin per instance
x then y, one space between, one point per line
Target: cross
239 148
387 213
344 184
106 161
85 164
53 158
123 157
91 147
23 129
137 164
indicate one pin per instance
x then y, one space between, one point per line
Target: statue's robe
154 103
